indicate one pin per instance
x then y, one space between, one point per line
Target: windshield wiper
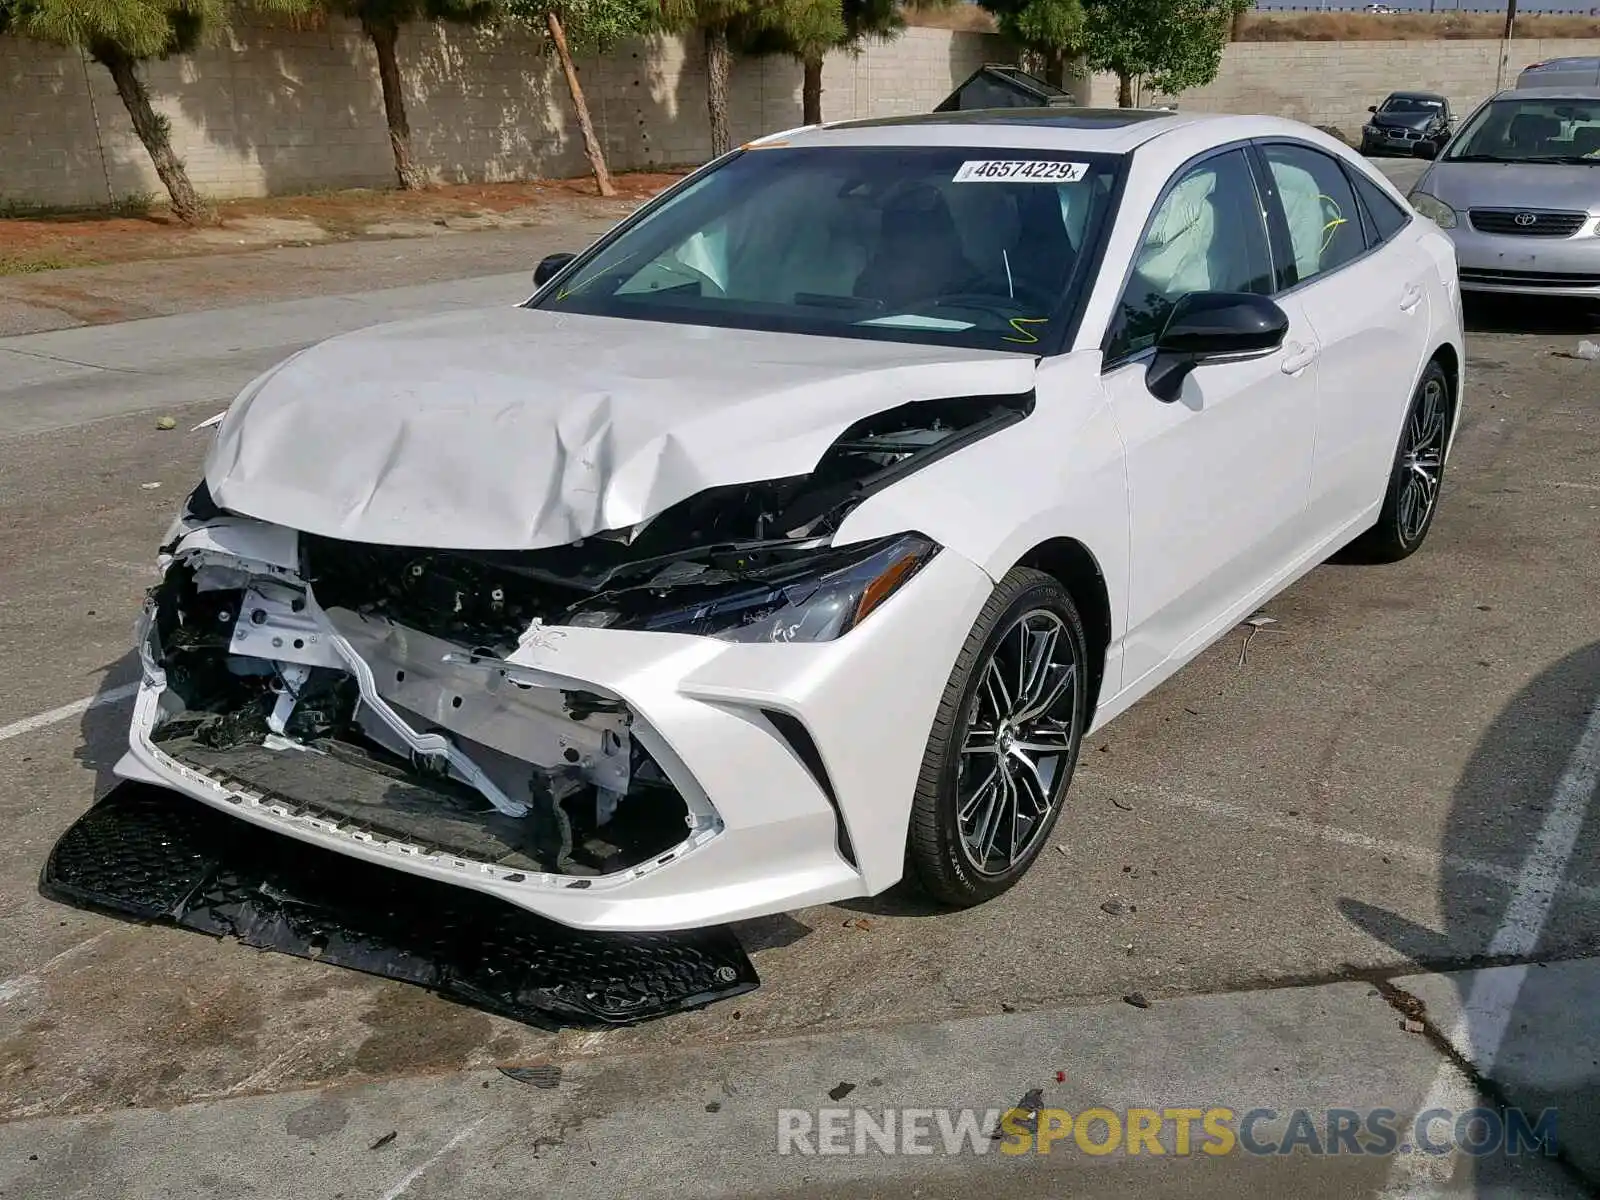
1482 158
1566 160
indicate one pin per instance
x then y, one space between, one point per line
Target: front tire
1412 499
1004 744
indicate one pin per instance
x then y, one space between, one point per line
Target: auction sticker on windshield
1021 170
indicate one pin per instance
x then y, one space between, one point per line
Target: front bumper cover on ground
155 855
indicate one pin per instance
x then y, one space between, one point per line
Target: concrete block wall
1332 83
264 109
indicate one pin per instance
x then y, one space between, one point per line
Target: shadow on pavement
104 726
1523 799
1533 315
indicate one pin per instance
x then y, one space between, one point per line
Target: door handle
1412 298
1297 358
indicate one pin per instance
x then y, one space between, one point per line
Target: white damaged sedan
790 539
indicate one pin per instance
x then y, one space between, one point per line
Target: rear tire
1417 476
1004 743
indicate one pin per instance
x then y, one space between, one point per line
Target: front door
1218 479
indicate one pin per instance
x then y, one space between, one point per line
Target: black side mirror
1372 108
1425 149
549 266
1210 325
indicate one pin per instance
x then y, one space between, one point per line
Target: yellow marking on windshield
1027 338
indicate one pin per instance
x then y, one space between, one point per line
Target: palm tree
715 20
120 35
809 30
381 21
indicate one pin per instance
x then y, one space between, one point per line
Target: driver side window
1208 234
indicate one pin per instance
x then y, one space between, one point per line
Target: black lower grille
1529 279
1527 222
154 855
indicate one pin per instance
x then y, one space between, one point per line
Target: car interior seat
1533 132
1045 251
919 253
989 227
1586 141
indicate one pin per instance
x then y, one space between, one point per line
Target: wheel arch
1074 566
1449 359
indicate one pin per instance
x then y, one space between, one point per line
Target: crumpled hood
519 429
1409 120
1518 186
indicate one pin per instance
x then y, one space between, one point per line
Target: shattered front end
651 729
389 738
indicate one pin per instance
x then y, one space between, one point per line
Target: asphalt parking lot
1351 796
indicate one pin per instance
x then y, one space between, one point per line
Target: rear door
1367 298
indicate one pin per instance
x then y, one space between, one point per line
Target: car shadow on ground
904 899
1503 846
103 728
1532 315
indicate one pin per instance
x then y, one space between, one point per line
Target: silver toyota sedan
1518 189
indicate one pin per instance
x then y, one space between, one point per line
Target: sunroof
1050 117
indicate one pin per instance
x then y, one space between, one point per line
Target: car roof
1549 93
1086 130
1550 64
1415 95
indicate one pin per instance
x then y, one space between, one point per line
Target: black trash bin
994 85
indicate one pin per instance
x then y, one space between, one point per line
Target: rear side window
1388 218
1320 207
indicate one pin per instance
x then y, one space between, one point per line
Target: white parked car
796 533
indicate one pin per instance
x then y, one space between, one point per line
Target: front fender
1059 473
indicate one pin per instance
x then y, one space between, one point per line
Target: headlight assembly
1435 209
814 597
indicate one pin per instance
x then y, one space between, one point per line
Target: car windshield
971 247
1530 131
1411 104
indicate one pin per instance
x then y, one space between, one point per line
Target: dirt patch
229 1018
967 18
49 241
413 1030
1408 27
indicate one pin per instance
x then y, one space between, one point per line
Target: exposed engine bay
369 686
730 555
367 724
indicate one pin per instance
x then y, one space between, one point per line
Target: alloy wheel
1019 738
1422 461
